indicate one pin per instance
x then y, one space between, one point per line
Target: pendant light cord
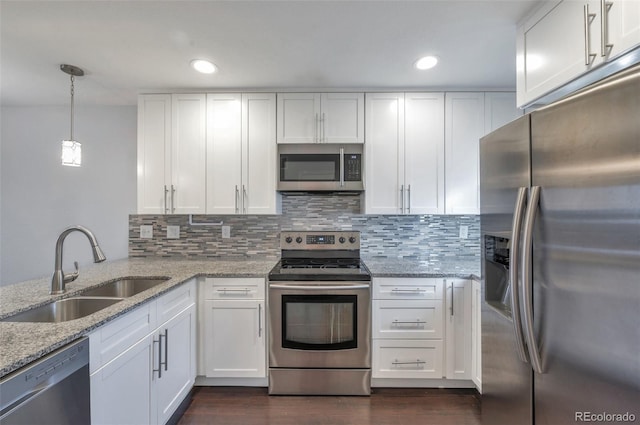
72 78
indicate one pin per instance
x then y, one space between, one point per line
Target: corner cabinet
404 171
171 154
320 118
141 371
241 153
233 331
565 39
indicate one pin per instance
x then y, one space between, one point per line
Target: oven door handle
318 287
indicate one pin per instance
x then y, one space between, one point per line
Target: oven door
320 324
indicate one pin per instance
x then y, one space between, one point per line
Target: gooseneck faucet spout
59 278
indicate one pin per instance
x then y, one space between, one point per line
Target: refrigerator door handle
527 291
514 270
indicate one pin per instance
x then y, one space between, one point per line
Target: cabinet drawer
175 301
407 319
407 359
391 288
233 288
112 339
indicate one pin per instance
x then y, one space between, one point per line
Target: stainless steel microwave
320 168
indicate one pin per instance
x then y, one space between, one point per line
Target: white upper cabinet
384 153
171 154
241 153
464 126
564 39
499 109
320 118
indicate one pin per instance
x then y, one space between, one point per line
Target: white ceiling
131 47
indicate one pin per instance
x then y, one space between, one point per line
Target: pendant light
71 150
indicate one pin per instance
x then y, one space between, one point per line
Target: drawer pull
242 291
416 322
408 291
418 363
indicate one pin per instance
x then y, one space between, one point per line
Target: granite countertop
23 342
399 267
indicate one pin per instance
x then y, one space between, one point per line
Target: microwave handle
341 167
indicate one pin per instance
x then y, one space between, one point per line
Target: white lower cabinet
476 334
148 378
233 332
422 329
458 325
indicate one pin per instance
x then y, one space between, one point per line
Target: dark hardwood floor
253 406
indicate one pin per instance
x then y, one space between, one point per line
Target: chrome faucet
59 277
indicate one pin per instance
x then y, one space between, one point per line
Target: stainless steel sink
63 310
124 288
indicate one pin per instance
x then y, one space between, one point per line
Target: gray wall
39 197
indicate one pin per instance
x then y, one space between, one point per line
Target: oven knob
342 239
299 239
288 239
352 239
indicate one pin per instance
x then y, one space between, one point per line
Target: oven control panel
320 240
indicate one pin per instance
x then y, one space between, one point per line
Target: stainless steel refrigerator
560 221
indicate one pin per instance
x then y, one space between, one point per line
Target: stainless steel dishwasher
52 390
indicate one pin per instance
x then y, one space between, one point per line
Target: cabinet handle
224 291
588 17
323 135
166 192
244 200
173 193
166 348
237 196
604 27
451 310
408 291
316 128
159 342
417 362
416 322
259 320
402 199
409 199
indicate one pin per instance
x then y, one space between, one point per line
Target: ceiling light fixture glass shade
203 66
426 62
71 150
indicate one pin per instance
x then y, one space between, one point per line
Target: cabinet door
408 359
384 153
464 126
342 118
298 117
224 153
235 339
476 335
177 351
424 153
259 152
121 390
499 109
188 154
553 47
458 324
623 26
154 152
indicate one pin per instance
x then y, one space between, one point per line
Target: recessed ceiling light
203 66
426 62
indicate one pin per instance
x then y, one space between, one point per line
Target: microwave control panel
352 167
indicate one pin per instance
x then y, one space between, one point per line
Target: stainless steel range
319 316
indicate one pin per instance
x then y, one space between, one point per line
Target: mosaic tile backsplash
420 237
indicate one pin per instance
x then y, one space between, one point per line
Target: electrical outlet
226 232
464 232
146 231
173 232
